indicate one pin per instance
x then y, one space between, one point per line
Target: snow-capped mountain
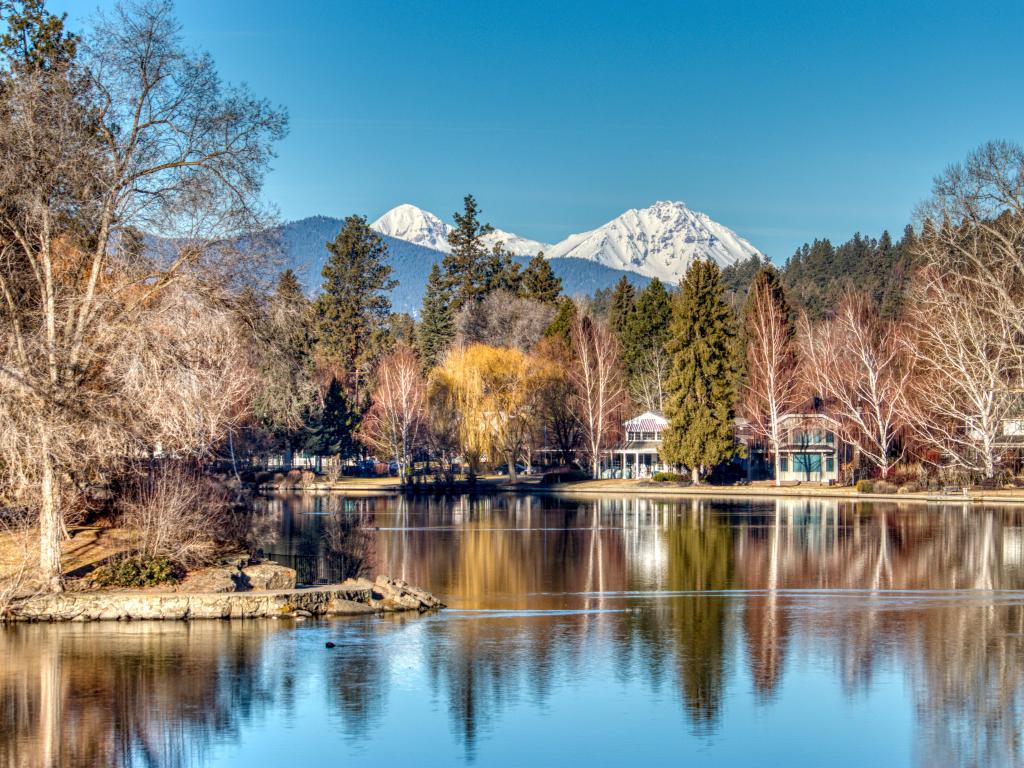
519 246
660 241
414 225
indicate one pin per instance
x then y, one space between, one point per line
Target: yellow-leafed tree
494 391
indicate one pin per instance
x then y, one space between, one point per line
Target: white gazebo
639 455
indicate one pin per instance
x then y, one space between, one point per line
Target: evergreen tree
561 326
287 393
332 430
768 275
647 329
623 305
353 308
500 272
466 267
34 39
702 381
436 328
540 282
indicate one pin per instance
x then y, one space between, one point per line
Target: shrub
881 486
571 476
668 477
175 513
865 486
138 571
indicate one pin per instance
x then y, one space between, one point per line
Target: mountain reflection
705 603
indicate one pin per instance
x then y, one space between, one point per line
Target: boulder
389 594
263 576
210 580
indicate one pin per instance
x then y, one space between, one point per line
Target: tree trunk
695 475
50 524
512 477
778 469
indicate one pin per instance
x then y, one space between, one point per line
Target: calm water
581 632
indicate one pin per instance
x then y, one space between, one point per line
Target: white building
639 455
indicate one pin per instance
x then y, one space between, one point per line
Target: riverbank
350 598
374 486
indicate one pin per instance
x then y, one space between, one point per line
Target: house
639 455
810 450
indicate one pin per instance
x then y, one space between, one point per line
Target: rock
211 580
264 576
395 595
348 599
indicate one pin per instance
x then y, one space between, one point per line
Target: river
586 631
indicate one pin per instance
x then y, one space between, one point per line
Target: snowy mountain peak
414 225
660 241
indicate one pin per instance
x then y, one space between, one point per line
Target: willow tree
702 380
133 133
495 391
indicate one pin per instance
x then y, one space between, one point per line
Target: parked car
520 469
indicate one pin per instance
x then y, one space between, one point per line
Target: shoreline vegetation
767 489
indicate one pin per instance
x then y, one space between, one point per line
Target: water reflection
795 617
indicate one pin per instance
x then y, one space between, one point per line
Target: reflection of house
638 455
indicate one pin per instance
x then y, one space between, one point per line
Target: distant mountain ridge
304 246
659 241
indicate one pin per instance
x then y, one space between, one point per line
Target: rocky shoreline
349 598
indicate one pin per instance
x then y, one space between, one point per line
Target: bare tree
647 387
973 227
503 319
771 388
967 307
966 364
139 135
598 384
395 422
857 363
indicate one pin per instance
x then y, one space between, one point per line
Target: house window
784 464
830 463
807 463
830 438
647 436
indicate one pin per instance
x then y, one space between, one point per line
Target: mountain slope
660 241
304 245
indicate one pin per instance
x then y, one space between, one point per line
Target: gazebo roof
647 422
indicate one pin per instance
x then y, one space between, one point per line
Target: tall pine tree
286 394
702 381
332 430
623 305
436 328
540 282
353 308
466 266
648 329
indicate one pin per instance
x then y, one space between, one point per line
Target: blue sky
784 121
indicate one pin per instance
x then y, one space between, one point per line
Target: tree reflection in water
700 600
